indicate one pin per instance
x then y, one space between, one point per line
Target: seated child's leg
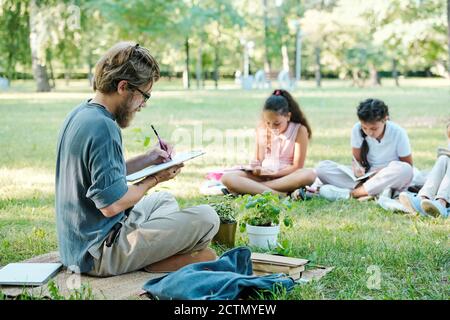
329 173
243 183
293 181
435 179
397 175
443 194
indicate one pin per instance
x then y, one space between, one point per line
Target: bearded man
106 227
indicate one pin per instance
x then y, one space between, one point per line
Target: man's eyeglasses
144 94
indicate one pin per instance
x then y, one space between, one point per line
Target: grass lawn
411 253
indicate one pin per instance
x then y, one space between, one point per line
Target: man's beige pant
397 176
156 229
437 184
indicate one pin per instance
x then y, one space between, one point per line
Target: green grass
412 253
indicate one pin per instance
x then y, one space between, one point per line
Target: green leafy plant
225 211
265 209
283 248
83 293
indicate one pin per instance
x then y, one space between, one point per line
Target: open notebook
177 159
28 274
349 172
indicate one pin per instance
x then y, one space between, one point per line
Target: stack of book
264 264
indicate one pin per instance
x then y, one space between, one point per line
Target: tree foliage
349 38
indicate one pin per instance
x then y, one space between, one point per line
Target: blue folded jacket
223 279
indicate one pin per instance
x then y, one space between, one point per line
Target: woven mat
124 287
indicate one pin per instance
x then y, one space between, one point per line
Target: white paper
348 171
177 159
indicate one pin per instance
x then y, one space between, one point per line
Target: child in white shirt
379 146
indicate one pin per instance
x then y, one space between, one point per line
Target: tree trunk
37 61
375 79
199 65
298 54
285 57
298 45
216 66
90 67
448 36
186 80
216 49
267 64
318 73
67 77
10 66
50 67
395 72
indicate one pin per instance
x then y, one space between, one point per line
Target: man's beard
124 114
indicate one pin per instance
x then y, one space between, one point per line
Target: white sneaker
334 193
389 204
387 193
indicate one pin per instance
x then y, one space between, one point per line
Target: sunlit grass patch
410 252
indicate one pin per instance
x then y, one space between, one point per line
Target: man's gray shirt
90 175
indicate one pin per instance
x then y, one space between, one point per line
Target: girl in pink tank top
281 144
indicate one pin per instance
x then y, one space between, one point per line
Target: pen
163 147
357 163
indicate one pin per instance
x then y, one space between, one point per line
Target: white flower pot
263 237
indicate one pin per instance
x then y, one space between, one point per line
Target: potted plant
261 219
227 229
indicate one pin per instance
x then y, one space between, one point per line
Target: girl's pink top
280 153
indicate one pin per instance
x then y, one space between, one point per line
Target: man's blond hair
125 61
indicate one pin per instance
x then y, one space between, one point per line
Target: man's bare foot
178 261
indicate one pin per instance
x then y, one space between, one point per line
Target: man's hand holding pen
160 153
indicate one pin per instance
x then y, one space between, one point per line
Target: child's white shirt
394 144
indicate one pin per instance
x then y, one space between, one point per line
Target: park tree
317 26
225 18
52 29
355 39
39 19
183 22
147 22
411 33
14 50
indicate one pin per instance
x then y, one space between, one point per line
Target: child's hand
256 170
267 173
358 170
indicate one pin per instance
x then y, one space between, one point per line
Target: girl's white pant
437 184
397 176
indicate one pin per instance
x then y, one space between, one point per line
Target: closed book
277 268
294 276
273 259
